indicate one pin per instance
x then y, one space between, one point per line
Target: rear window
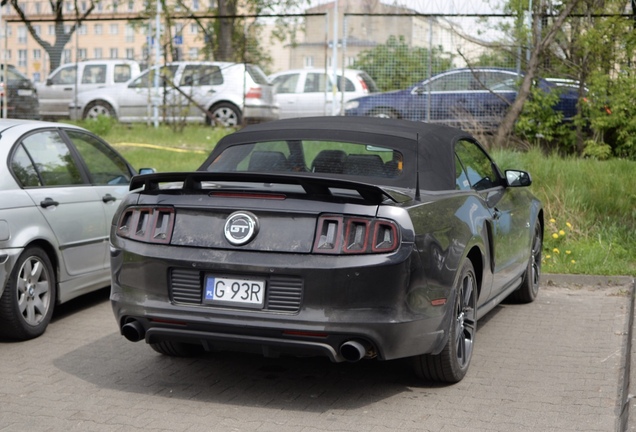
326 158
257 74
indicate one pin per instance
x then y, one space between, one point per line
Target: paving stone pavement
554 365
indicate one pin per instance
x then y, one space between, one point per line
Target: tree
396 65
55 49
542 38
232 35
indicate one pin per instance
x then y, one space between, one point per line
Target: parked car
308 92
350 238
59 188
22 96
474 99
70 79
213 92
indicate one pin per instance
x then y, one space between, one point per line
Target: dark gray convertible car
350 238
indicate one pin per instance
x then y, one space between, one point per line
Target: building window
8 54
51 30
81 54
114 29
308 61
130 33
114 53
22 58
130 53
97 53
82 30
99 29
193 53
37 29
38 8
195 5
350 61
194 28
131 5
67 28
37 54
66 58
22 35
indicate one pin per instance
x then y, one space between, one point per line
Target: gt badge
240 228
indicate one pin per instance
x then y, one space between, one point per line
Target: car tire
529 288
452 363
27 303
177 349
384 113
98 108
226 115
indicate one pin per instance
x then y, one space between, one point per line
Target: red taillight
363 84
254 93
147 224
355 235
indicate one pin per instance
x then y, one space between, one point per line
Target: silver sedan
59 188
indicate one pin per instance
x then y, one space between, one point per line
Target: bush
100 126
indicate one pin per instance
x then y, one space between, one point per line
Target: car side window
461 180
52 159
194 75
65 76
94 74
23 168
478 167
315 83
147 79
452 82
122 73
286 83
104 165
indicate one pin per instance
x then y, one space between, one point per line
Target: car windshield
311 156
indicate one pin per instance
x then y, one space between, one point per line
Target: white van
73 78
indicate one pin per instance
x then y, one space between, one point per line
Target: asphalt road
557 364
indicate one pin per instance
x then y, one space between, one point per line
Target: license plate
234 291
23 92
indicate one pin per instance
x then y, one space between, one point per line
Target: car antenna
417 169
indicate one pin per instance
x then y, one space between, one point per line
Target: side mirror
517 178
49 82
147 171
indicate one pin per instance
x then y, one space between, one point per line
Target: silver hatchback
228 94
59 188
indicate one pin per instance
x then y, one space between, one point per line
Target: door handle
108 198
48 202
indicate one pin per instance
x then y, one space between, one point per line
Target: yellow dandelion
548 256
567 252
556 250
555 236
569 225
573 261
562 232
552 220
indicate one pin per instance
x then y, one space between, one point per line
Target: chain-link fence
390 62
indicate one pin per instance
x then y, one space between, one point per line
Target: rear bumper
376 302
256 113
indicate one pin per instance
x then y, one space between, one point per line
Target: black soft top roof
436 142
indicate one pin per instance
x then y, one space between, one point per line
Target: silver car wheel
34 290
225 115
97 109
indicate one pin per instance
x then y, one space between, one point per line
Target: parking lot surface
557 364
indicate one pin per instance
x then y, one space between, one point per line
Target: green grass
591 207
592 203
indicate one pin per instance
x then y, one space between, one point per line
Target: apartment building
113 30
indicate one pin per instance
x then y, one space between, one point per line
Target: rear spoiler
312 185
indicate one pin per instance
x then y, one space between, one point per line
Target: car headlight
352 105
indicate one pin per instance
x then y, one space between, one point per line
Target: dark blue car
473 99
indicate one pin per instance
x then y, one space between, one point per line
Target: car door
286 88
108 173
58 91
509 213
317 96
137 102
61 192
198 86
